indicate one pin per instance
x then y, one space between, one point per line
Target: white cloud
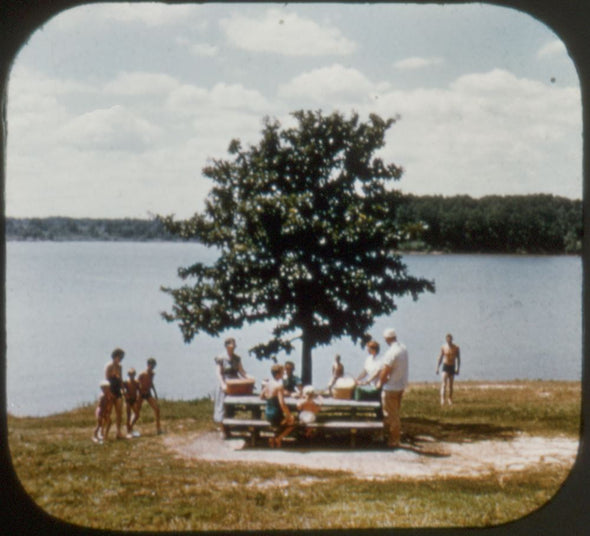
112 129
28 81
141 83
151 14
498 83
285 33
487 133
238 97
186 99
204 50
417 63
334 84
189 99
38 105
552 49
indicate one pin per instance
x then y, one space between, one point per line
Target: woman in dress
228 367
277 412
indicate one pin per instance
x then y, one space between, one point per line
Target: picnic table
246 414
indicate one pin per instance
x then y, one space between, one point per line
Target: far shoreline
472 384
402 252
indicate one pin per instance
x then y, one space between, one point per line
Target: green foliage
304 223
494 224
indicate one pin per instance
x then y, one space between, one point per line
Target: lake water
70 304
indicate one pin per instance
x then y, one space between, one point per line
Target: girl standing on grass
114 375
102 413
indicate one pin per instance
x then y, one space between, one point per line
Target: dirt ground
432 459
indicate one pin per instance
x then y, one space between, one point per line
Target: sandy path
432 460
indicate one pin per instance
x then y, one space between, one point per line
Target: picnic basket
240 386
343 389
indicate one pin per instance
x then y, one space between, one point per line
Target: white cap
308 390
390 333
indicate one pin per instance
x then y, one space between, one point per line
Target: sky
114 109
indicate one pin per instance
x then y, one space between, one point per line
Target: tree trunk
306 358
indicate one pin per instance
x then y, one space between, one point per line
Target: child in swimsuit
131 396
308 408
146 387
277 412
102 413
114 375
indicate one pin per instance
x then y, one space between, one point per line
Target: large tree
304 226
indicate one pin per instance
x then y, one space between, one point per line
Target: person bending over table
228 367
366 388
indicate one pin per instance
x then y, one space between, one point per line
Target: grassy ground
141 485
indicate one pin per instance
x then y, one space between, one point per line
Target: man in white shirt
393 380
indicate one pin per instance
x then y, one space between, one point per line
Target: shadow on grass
421 436
416 430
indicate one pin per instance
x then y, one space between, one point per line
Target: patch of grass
142 485
534 407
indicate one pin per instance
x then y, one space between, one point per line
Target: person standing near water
131 389
450 358
227 367
147 392
114 375
393 380
102 412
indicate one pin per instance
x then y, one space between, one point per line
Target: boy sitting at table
276 411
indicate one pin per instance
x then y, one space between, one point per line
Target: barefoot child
102 413
276 411
308 408
131 387
146 386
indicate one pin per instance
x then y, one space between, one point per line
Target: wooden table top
255 400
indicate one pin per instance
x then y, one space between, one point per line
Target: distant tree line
86 229
537 223
494 224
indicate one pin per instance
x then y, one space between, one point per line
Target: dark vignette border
568 513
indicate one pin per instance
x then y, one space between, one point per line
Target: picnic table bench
246 414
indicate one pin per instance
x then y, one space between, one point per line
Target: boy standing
146 387
450 358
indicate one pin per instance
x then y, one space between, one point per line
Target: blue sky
114 109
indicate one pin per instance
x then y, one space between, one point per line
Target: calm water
70 304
